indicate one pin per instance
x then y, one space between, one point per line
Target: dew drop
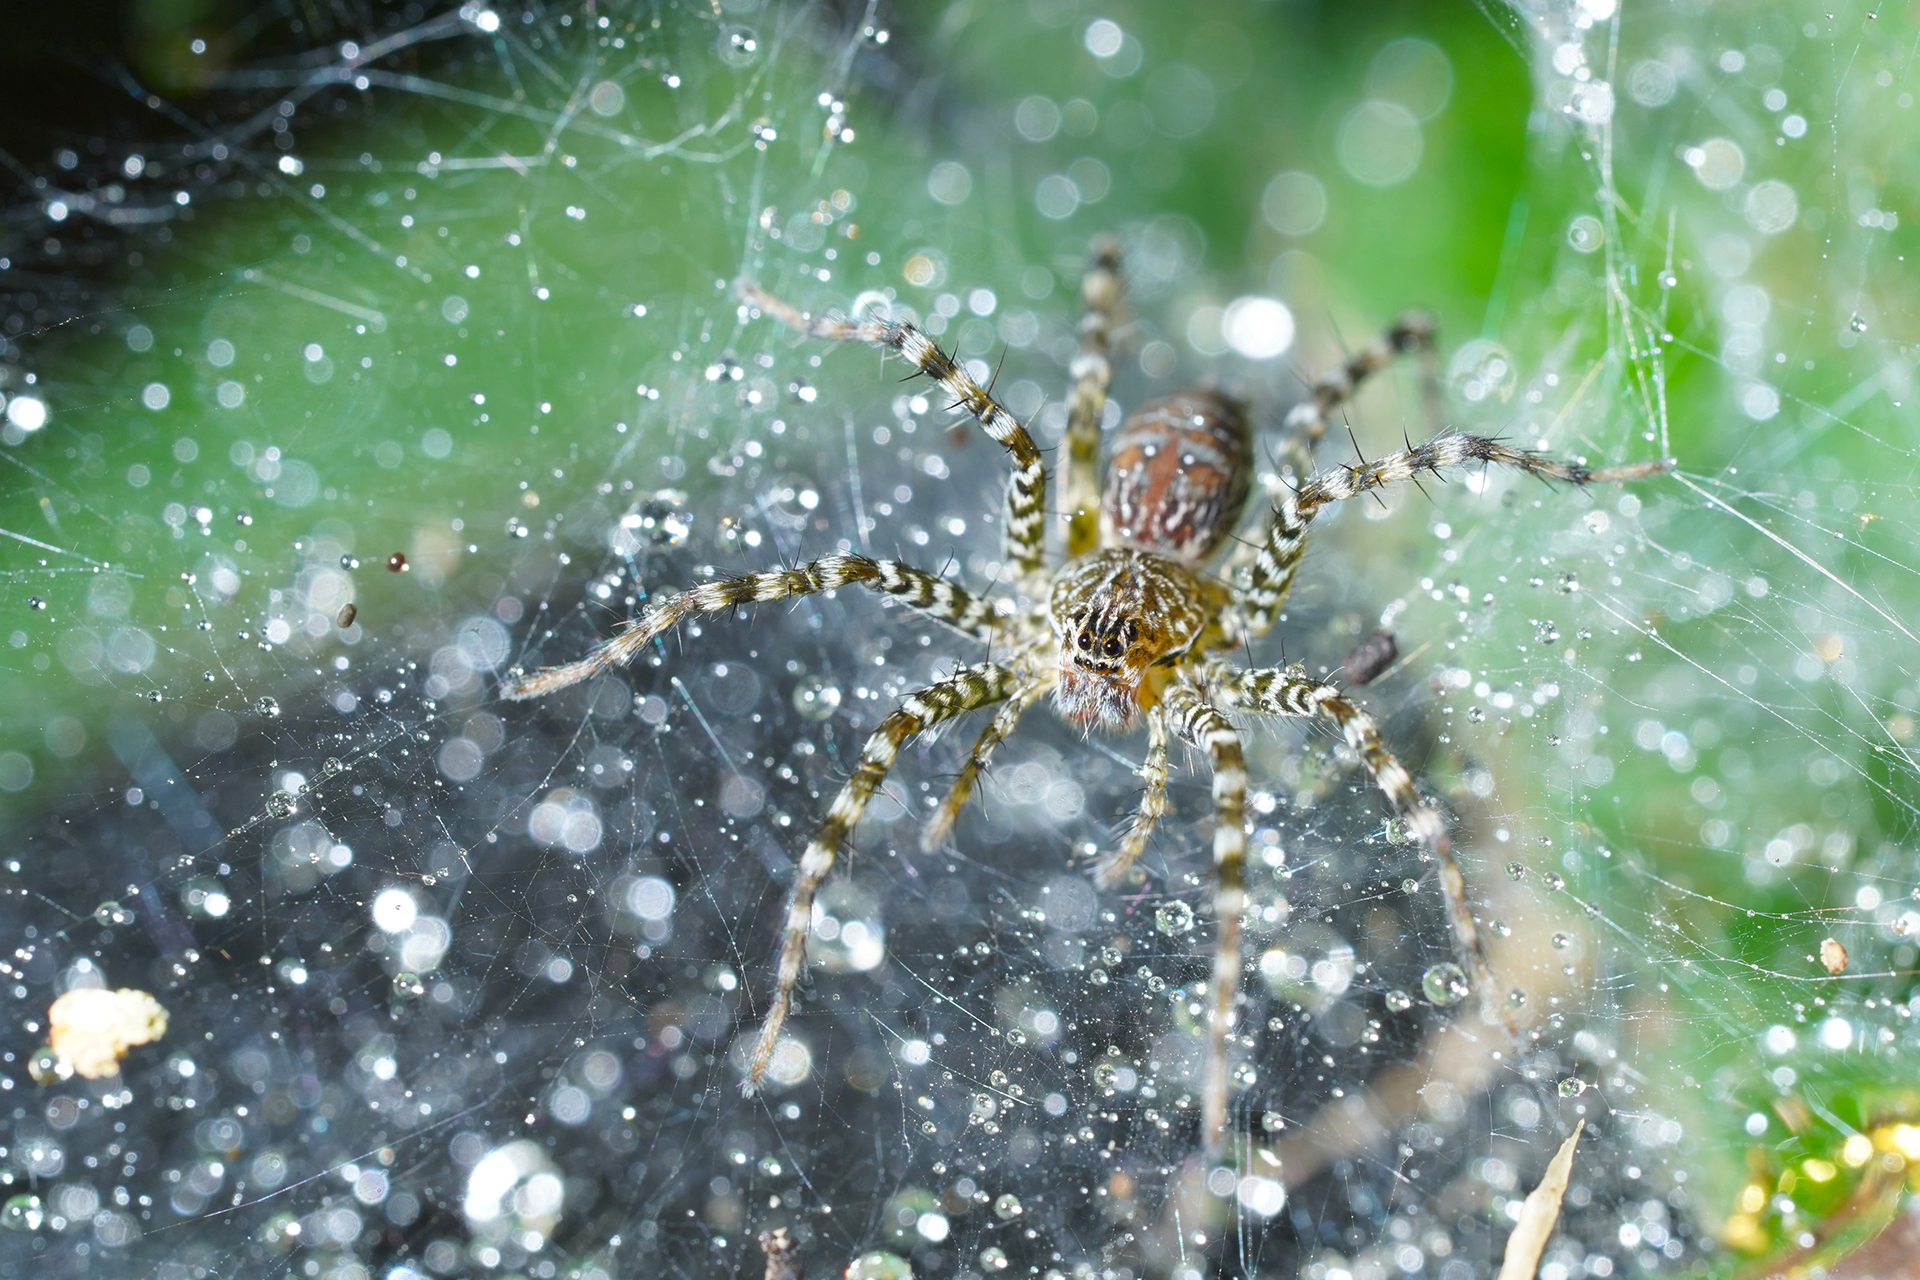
37 604
280 804
1572 1087
664 519
1515 871
1444 984
22 1213
1398 1001
349 562
243 518
1858 324
46 1068
1007 1208
1553 881
1174 918
816 698
1561 942
397 562
268 707
111 913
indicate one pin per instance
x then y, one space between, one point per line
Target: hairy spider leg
1307 422
934 596
1113 868
998 730
1290 692
1100 300
965 690
1024 543
1258 603
1202 724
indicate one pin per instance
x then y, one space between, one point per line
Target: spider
1132 622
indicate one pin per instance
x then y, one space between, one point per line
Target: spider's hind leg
1100 294
1410 333
966 689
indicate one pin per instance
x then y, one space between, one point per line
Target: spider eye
1085 640
1111 647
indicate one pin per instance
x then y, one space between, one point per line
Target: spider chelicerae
1134 620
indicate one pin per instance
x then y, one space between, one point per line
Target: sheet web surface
437 370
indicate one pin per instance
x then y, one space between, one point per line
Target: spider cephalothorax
1118 614
1131 624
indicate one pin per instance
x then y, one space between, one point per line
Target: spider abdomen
1178 476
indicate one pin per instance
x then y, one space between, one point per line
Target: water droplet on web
111 913
1500 929
1482 371
45 1066
1007 1208
993 1258
1477 714
268 707
1546 633
22 1213
1567 584
1444 984
1857 324
1516 998
349 562
1016 1037
243 517
36 603
880 1266
1561 942
1572 1087
1174 919
816 698
280 804
1409 886
1515 871
1273 1122
664 519
1554 881
332 767
1398 1001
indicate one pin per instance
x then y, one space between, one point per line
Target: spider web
422 361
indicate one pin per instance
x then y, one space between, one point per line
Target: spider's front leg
1199 722
998 730
965 690
918 589
1290 692
1113 868
1306 422
1026 532
1270 579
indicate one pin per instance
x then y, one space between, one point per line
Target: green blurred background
423 299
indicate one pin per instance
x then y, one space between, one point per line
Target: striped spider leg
1024 541
1290 693
1306 423
934 596
964 691
1199 722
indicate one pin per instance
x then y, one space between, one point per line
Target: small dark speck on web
397 562
1374 654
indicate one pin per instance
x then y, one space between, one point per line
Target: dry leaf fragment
1539 1214
90 1028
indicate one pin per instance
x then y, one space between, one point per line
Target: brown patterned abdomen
1178 476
